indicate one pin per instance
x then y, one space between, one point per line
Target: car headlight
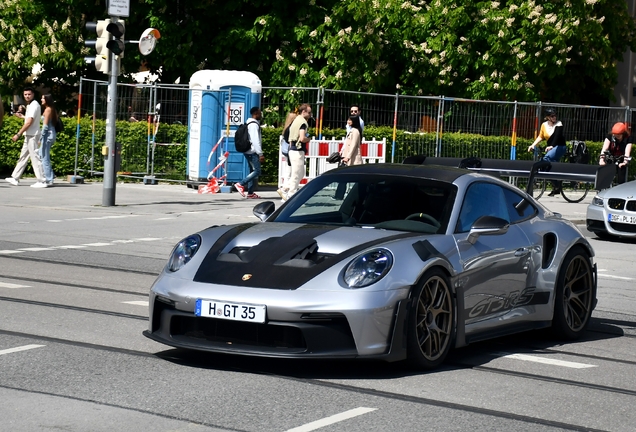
597 201
368 268
183 252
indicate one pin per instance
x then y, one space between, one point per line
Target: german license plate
230 311
622 219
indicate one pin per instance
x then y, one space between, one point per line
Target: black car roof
437 172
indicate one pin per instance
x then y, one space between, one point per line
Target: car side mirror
487 225
264 210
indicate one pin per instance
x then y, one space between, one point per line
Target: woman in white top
351 150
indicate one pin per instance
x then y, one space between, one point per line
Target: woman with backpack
618 143
48 136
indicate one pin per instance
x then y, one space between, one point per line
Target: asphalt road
74 278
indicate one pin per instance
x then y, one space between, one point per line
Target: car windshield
376 201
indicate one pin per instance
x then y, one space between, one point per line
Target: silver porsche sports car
612 212
378 261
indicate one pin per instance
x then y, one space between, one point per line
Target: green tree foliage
516 49
510 50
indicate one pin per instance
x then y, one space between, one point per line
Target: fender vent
549 249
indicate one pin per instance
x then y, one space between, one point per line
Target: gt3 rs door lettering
497 304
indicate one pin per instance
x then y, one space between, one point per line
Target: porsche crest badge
246 276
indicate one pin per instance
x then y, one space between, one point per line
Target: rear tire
431 321
574 295
574 191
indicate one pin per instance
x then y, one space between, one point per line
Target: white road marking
606 276
137 303
331 420
549 361
18 349
12 286
92 218
83 246
166 218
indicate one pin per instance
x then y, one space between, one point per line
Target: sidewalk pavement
137 198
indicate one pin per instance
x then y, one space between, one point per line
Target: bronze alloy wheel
574 295
432 321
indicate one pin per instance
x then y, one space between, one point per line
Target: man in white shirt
254 156
355 111
31 132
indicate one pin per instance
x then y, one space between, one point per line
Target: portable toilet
210 110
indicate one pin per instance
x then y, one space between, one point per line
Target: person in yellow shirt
552 132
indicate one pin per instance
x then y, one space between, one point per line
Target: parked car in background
612 212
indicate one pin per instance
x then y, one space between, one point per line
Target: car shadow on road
540 342
292 368
614 239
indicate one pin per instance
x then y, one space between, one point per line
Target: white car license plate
622 219
230 311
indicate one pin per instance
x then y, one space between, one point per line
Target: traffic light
101 59
109 42
117 30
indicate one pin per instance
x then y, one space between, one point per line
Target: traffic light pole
110 177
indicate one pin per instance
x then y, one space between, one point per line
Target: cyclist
552 132
618 143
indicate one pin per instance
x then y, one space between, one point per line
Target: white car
613 212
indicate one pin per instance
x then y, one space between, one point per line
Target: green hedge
171 160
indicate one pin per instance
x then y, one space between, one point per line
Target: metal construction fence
431 125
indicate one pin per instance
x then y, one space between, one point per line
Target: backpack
580 154
242 139
59 126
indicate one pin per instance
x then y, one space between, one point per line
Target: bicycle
576 191
538 185
613 159
571 191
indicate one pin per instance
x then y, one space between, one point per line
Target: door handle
522 252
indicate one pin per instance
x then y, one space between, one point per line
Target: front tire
431 321
574 295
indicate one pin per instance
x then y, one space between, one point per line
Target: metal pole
95 84
108 195
77 133
438 138
319 111
513 147
395 113
151 112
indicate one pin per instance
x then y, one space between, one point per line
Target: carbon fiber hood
282 255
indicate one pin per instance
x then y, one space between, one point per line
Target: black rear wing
600 176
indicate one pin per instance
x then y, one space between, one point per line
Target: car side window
482 199
518 212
